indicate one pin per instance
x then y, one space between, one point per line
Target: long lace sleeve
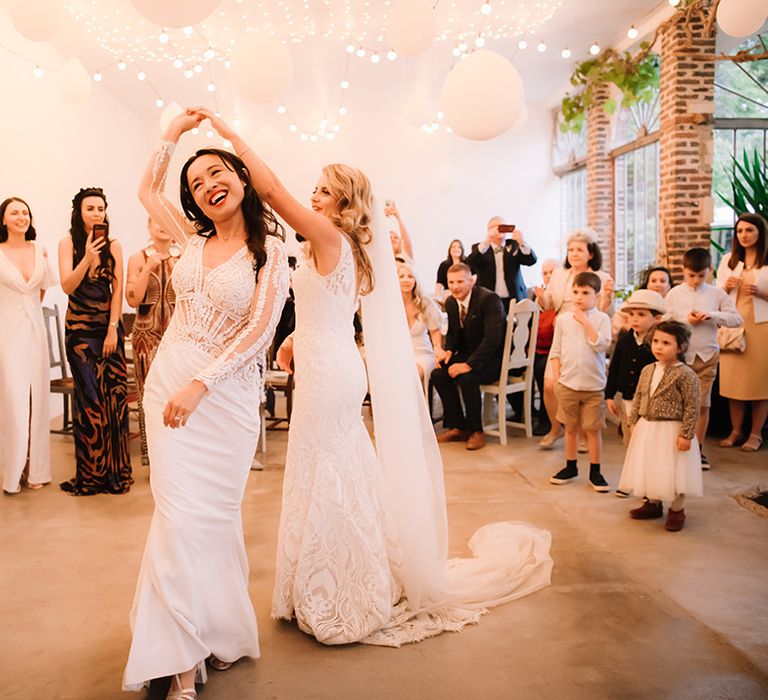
152 195
267 305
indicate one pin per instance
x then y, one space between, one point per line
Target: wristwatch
113 324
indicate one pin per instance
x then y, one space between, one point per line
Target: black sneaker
620 494
565 475
705 465
598 483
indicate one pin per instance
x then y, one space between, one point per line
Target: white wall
50 149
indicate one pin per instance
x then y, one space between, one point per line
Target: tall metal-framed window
636 210
569 162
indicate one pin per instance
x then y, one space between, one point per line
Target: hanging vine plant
637 77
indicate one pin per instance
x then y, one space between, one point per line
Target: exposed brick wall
600 175
686 146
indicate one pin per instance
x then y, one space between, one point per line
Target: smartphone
506 228
99 231
389 203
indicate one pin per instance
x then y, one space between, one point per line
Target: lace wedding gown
343 570
192 594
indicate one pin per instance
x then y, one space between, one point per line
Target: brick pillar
686 145
600 175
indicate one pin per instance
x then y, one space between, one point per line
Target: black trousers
471 417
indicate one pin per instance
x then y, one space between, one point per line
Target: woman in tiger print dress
91 271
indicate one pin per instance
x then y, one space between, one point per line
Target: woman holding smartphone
91 272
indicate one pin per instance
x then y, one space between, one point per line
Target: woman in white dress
25 274
201 401
424 322
362 544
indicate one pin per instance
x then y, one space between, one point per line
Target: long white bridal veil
510 559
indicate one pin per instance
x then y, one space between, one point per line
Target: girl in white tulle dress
663 461
201 401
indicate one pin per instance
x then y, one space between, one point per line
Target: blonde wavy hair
354 215
417 296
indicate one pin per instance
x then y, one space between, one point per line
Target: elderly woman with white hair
583 255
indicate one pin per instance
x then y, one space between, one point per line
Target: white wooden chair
518 354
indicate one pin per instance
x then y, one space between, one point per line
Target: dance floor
633 611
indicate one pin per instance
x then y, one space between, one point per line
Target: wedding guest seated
455 255
496 261
473 346
424 321
400 239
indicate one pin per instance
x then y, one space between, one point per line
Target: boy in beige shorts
578 367
702 307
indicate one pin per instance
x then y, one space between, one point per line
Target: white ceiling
320 62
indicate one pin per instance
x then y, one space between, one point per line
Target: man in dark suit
471 356
497 261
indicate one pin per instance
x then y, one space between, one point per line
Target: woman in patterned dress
148 289
91 272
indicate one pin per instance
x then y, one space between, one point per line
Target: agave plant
749 185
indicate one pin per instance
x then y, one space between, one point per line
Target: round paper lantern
74 82
482 96
741 18
521 119
168 115
261 67
176 13
411 27
37 21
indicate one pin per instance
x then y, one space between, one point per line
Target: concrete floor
633 611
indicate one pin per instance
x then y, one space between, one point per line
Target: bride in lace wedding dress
362 550
201 402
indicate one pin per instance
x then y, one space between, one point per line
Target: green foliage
636 77
749 185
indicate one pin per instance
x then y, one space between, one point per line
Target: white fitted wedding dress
362 547
192 594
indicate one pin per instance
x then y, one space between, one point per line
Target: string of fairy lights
136 45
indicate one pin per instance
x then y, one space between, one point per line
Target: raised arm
152 186
72 275
405 237
266 307
315 227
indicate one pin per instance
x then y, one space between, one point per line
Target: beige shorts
584 409
706 372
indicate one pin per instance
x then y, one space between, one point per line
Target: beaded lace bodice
224 310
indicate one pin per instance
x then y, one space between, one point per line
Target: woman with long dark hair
25 274
201 403
91 271
743 273
455 255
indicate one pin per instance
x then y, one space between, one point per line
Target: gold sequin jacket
676 398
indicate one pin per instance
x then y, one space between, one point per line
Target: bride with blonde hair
362 552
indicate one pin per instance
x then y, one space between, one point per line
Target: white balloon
447 179
176 13
74 82
411 27
261 68
37 20
419 109
168 114
741 18
482 96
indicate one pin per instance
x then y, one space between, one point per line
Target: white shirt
683 299
582 363
498 255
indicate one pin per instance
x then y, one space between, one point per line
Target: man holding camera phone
496 261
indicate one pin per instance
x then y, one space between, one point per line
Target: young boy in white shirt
578 367
702 307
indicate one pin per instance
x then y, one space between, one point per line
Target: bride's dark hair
260 221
